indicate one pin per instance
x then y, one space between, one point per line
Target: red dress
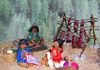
56 55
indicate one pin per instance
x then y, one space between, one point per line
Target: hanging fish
79 42
82 22
74 41
75 26
69 21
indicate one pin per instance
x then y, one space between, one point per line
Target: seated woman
35 40
55 54
54 57
33 36
24 57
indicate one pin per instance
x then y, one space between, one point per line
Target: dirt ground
89 63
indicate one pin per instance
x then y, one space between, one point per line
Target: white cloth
31 59
50 61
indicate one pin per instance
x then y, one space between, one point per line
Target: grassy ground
88 64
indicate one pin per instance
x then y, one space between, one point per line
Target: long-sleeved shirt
34 36
21 55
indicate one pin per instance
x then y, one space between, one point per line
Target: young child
24 57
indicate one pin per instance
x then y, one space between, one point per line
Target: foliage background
16 16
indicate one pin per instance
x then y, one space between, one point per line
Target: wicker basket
9 57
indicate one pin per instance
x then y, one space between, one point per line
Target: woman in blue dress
24 56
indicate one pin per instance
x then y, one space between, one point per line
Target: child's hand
27 54
37 43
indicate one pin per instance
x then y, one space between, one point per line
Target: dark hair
60 42
22 41
53 46
34 27
49 50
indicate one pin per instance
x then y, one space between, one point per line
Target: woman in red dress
56 52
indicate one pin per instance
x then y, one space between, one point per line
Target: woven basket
9 57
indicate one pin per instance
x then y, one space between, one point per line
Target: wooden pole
82 50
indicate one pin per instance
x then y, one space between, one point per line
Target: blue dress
21 53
